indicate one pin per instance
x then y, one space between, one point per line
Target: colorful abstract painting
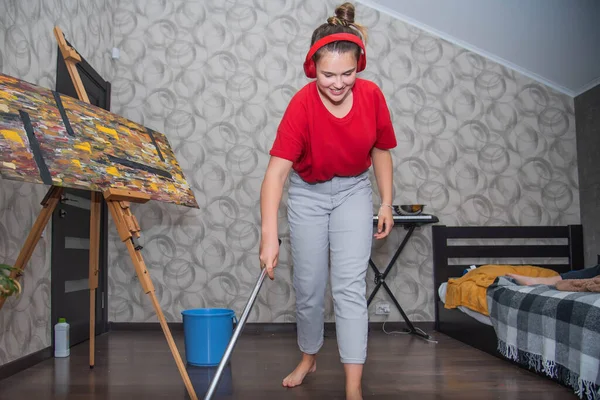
53 139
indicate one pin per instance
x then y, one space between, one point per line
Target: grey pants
332 219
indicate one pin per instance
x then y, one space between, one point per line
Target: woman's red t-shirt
321 145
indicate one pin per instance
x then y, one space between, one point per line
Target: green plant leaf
8 285
6 267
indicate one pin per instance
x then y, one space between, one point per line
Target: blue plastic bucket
206 333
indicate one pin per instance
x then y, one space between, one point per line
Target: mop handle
238 330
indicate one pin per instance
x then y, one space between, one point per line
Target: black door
71 232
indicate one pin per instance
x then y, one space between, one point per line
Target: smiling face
336 74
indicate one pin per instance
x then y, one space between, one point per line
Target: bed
556 248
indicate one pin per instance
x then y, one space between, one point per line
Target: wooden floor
139 365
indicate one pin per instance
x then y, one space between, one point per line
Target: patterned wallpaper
28 51
478 143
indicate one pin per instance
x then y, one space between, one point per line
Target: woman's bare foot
529 280
307 365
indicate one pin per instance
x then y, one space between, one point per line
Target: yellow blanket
470 289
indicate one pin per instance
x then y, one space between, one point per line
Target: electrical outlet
382 308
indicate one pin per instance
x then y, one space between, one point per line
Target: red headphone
309 65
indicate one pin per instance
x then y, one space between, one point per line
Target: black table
409 222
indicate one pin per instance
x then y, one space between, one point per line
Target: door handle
64 199
62 213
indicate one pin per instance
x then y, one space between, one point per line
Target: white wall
554 41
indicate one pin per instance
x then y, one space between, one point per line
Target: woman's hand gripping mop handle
236 334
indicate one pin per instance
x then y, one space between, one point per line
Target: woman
333 130
578 274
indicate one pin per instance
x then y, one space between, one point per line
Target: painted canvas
53 139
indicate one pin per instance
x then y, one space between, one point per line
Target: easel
118 201
71 57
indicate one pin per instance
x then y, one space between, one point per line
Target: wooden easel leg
127 227
93 267
71 59
49 204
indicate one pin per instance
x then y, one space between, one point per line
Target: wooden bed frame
457 324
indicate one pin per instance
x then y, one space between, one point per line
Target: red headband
309 65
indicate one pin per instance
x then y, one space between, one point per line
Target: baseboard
143 326
257 328
25 362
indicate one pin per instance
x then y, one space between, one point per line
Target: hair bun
345 13
342 21
337 21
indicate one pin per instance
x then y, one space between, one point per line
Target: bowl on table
409 209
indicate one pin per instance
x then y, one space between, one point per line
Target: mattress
484 319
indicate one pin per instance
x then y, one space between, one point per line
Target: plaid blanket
553 332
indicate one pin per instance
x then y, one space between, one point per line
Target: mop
236 334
